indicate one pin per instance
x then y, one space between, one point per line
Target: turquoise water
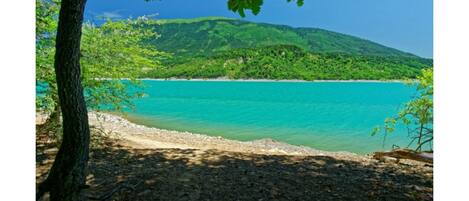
334 116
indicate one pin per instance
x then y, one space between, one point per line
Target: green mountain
220 47
213 34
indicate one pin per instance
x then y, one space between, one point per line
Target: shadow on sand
190 174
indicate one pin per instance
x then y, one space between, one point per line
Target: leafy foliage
290 62
417 114
46 26
110 52
113 51
254 5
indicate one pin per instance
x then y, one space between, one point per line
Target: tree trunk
419 145
67 175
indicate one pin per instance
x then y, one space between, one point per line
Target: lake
332 116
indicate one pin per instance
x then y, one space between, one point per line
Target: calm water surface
334 116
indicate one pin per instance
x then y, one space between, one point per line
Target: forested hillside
290 62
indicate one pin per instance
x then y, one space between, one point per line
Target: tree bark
67 175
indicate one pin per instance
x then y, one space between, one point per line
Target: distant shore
223 79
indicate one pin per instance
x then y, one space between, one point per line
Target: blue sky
403 24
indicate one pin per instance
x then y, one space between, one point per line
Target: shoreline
140 136
271 80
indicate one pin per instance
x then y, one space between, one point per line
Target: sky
406 25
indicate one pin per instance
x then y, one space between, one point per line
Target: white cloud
111 14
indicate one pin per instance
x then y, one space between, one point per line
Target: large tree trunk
67 175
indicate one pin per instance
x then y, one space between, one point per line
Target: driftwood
109 194
397 154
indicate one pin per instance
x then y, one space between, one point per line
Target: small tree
417 115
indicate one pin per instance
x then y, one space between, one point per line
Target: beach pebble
388 159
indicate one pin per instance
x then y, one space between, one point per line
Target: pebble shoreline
144 135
